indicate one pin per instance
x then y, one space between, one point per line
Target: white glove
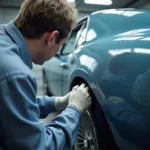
61 103
80 98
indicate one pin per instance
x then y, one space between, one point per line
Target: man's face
54 48
48 51
48 47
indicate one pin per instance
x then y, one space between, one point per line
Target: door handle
64 66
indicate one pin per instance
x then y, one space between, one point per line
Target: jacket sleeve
46 105
20 127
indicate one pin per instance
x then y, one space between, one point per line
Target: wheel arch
81 76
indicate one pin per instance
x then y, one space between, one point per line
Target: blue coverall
20 109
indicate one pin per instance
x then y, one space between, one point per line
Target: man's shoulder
2 27
11 60
3 33
6 42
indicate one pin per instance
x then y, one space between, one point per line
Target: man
37 33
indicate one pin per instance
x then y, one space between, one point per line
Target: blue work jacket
20 109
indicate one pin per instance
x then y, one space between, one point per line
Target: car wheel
94 131
87 135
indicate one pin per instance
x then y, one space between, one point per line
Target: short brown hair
37 17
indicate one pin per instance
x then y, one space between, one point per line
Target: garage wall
7 14
81 15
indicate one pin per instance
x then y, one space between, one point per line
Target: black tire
87 135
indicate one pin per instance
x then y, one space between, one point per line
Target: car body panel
54 77
115 53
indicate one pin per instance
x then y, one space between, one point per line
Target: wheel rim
87 138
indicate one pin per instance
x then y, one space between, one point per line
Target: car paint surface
115 53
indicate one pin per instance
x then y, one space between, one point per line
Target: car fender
82 74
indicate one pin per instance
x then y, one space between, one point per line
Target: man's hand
61 103
80 98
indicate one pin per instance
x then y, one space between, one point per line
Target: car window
77 33
69 47
82 37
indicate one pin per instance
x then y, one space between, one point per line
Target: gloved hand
61 103
80 98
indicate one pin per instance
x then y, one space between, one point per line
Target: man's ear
52 35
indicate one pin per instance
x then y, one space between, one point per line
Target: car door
77 38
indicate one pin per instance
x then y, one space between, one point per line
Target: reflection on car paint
91 35
127 95
88 62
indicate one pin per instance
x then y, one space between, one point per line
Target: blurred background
10 8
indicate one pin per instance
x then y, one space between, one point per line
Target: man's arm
19 115
46 105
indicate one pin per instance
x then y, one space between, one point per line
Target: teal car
109 51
